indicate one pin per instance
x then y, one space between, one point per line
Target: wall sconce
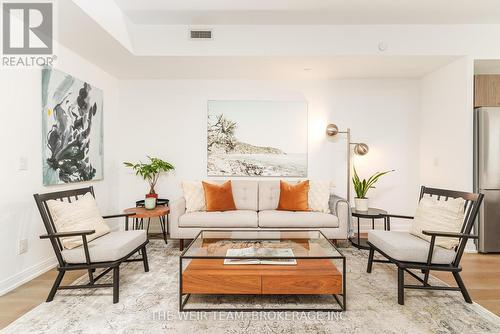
359 149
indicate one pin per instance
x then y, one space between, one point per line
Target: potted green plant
151 172
361 188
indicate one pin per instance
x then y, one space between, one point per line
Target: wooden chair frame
472 203
63 266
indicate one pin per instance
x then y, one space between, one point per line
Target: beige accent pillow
439 215
194 196
79 215
319 196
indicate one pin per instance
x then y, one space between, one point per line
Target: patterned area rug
149 304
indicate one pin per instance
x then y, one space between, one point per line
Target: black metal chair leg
116 284
426 277
401 286
461 285
145 259
91 276
370 260
55 286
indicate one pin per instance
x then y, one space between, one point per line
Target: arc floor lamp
359 149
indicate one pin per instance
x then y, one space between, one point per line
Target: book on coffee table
253 254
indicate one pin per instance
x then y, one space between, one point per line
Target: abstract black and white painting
257 138
72 129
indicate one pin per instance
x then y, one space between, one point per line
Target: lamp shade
361 149
332 130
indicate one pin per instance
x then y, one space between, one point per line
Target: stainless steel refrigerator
487 177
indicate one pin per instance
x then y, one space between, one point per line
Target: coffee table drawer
302 285
220 284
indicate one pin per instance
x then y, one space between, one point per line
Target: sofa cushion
219 197
404 246
319 196
293 197
305 219
236 218
245 193
269 195
110 247
194 196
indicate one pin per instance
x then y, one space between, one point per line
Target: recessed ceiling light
307 69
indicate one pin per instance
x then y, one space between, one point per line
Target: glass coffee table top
305 244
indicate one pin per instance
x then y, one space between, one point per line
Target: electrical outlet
23 246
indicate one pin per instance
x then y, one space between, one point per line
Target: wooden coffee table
203 271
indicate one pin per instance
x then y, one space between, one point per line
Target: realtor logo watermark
27 38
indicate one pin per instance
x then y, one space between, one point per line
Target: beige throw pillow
79 215
194 196
439 215
319 196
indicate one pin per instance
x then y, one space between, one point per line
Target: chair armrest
118 215
398 216
66 234
83 234
449 234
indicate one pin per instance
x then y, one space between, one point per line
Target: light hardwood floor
481 275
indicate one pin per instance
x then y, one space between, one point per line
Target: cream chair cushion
82 214
110 247
319 196
194 196
439 215
404 246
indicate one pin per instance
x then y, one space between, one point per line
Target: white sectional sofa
256 203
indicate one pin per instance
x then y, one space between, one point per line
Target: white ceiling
87 37
310 12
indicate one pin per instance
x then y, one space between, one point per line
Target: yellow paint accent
49 112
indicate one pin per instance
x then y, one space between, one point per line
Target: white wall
446 123
167 118
20 103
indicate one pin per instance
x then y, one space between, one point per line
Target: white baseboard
26 275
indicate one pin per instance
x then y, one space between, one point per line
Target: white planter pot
150 203
361 204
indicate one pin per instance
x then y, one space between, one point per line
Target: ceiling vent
200 34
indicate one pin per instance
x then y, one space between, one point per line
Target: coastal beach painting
257 138
72 133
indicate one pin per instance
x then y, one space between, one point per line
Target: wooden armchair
106 252
408 252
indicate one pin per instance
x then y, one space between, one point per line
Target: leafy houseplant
361 188
151 173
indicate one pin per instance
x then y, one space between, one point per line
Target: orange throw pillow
219 197
294 197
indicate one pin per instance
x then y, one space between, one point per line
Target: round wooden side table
140 213
372 214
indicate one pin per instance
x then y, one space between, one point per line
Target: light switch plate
23 163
